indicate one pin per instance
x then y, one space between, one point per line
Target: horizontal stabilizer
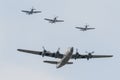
51 62
55 62
69 63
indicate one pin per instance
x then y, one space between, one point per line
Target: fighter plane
84 28
31 11
54 20
64 58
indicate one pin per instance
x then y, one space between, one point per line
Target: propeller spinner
44 51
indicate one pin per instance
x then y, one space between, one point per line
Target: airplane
31 11
64 58
54 20
84 28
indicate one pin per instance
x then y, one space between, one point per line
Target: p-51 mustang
64 57
54 20
31 11
84 28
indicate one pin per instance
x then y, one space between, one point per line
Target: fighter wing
59 20
49 54
48 19
25 11
90 28
79 27
37 12
78 56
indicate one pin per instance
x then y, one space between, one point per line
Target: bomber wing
42 53
89 56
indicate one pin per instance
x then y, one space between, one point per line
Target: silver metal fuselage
66 58
54 20
30 12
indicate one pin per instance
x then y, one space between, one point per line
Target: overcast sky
18 30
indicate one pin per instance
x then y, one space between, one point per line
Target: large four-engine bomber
64 57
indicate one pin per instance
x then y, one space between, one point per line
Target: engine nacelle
89 56
57 54
43 54
77 55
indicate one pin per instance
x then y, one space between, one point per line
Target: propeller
89 54
44 51
77 54
57 52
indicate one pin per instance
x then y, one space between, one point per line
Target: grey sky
18 30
